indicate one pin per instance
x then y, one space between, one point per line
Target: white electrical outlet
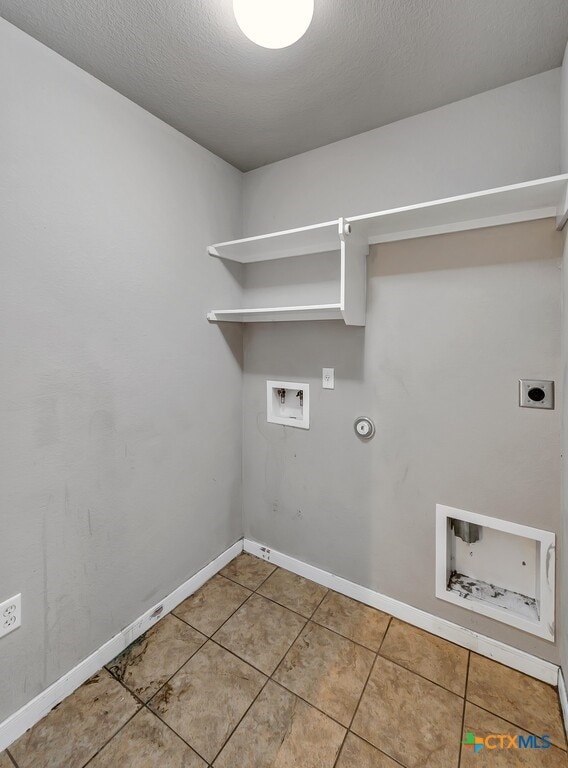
328 378
10 615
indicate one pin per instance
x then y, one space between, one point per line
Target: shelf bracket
344 228
562 212
353 287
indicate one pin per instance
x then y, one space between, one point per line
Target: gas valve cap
364 427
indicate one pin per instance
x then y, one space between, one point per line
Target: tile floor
261 668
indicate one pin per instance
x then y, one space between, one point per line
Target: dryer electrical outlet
536 393
288 403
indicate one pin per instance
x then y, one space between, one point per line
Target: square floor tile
73 732
282 731
327 670
294 592
481 724
145 742
211 605
411 719
354 620
152 659
427 655
248 570
5 761
356 753
260 632
517 698
205 700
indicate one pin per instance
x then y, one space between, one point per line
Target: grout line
426 679
301 615
234 580
144 702
358 701
306 622
161 719
412 671
248 597
507 667
250 663
464 706
273 600
241 720
370 672
374 746
335 632
153 696
363 692
276 568
108 741
309 703
236 655
330 717
377 654
238 583
383 638
10 757
169 727
320 602
279 568
159 716
301 632
340 750
311 618
126 688
417 674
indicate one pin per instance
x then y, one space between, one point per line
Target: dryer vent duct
468 532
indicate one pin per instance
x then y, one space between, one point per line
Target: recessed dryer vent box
288 403
500 569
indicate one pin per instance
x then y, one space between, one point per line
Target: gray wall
120 411
499 137
563 578
452 323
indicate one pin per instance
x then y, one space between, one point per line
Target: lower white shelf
273 314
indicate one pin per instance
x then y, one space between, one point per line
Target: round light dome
273 23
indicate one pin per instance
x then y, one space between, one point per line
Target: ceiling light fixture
274 23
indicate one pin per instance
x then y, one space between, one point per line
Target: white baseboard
467 638
563 694
18 723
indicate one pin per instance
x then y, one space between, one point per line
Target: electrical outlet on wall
328 378
10 614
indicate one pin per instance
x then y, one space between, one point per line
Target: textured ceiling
362 63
